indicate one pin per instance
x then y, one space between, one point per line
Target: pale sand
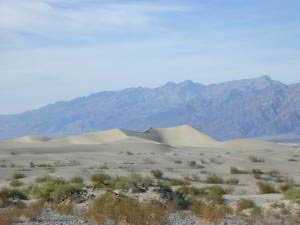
121 152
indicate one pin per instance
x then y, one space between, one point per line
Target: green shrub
101 180
108 208
234 170
132 181
232 181
16 183
245 204
189 191
214 179
157 174
266 188
77 180
55 192
256 159
18 176
292 194
7 196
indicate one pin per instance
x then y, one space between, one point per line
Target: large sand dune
179 136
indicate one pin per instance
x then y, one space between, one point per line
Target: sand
122 152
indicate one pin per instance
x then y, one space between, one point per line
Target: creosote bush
126 211
55 191
266 188
8 196
157 174
214 179
210 212
234 170
245 204
18 176
293 194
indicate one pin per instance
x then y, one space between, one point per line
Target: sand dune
32 139
179 136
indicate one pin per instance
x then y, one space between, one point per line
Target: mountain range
235 109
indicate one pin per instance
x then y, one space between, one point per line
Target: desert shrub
234 170
125 210
286 186
215 194
293 194
174 182
76 180
256 159
210 212
232 181
18 176
7 196
33 210
55 192
192 163
266 188
214 179
16 183
178 161
132 181
47 178
179 202
245 204
101 180
189 191
157 174
63 208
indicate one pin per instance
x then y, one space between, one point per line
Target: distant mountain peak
234 109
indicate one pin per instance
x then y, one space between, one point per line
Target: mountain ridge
233 109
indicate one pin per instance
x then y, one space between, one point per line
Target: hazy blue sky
57 49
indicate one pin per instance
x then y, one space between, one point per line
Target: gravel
48 217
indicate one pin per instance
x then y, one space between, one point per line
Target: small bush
234 170
157 174
232 181
256 159
77 180
189 191
7 196
101 180
16 183
266 188
214 179
126 211
245 204
293 194
192 163
18 176
55 192
213 213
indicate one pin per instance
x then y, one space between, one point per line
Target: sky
53 50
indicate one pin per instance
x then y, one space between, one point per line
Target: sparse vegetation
55 191
293 195
18 176
157 174
255 159
214 179
234 170
16 183
245 204
266 188
126 210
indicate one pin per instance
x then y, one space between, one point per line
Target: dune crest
32 139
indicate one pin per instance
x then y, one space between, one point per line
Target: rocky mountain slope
235 109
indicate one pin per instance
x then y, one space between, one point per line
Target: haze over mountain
234 109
